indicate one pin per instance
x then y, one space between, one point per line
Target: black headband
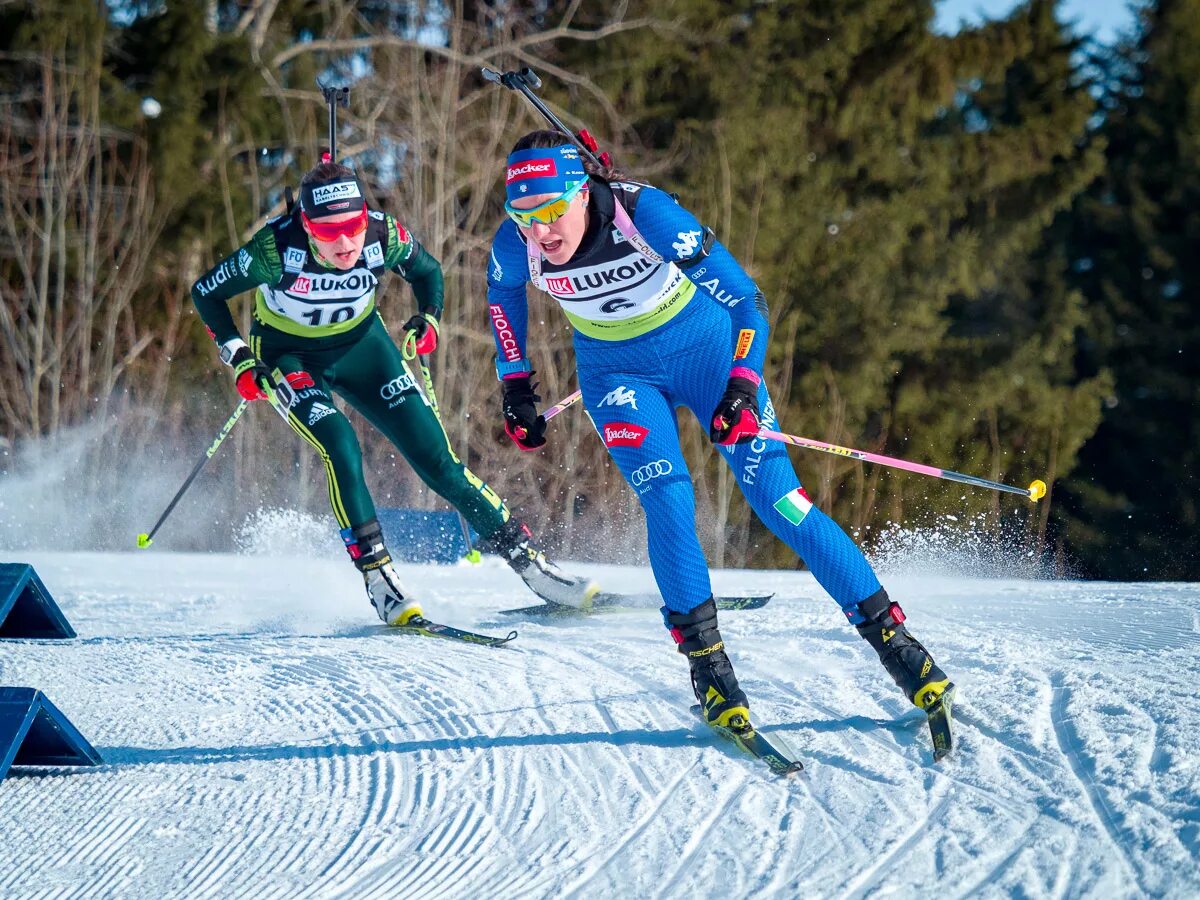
328 198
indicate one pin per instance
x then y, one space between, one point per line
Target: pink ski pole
1036 491
562 404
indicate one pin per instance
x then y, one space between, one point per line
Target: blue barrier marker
423 536
26 608
33 732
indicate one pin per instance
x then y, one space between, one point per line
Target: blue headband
546 170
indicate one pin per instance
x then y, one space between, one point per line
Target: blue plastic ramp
33 732
423 536
26 608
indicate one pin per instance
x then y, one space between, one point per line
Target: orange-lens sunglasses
331 231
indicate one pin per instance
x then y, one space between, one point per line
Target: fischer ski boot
904 657
722 702
394 605
512 541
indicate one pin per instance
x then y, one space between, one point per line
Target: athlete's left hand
420 335
735 420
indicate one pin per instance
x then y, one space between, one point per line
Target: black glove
521 420
735 420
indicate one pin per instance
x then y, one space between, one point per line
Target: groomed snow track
262 737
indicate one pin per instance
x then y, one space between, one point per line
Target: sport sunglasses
331 231
547 212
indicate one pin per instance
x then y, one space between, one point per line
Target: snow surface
264 736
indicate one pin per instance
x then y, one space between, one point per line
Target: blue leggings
631 389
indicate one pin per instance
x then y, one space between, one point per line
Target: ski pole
145 539
1036 490
569 400
472 555
525 82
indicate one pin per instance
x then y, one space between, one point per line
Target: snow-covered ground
263 736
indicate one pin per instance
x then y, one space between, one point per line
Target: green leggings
365 368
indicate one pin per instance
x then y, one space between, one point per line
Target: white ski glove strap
231 347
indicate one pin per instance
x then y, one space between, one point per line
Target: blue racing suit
651 336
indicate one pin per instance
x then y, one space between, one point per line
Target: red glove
423 329
735 420
250 373
521 420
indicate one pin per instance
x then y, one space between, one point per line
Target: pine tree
885 186
1132 506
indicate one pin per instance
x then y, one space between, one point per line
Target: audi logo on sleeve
649 472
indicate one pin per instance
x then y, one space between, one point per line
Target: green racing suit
320 327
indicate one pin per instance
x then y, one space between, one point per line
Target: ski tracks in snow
246 759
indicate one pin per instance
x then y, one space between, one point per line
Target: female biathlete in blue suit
664 317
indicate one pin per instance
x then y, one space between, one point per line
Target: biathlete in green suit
315 319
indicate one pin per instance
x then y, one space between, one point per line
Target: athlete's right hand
521 420
249 372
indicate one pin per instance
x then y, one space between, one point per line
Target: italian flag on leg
794 506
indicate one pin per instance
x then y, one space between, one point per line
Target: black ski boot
905 659
512 541
722 702
392 602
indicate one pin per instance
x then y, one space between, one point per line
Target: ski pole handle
145 539
1036 490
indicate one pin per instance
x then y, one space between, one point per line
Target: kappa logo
534 168
619 396
302 285
687 244
624 434
294 259
319 411
342 190
650 471
560 285
374 254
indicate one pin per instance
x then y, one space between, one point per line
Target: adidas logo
320 411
